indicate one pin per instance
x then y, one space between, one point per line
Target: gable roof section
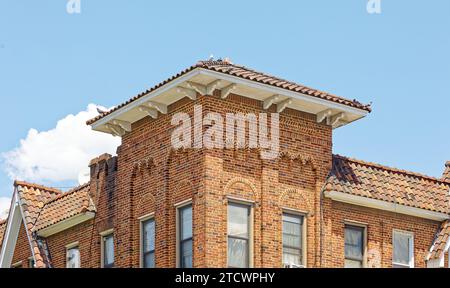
32 198
65 206
374 181
42 207
441 242
229 69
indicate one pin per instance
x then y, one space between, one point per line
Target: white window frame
72 246
178 207
103 235
250 205
142 220
304 239
411 248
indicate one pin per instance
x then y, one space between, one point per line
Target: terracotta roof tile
2 231
228 68
32 199
441 240
388 184
65 206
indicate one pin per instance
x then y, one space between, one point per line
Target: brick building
156 205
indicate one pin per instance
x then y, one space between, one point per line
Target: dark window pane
186 222
186 254
149 236
73 258
149 260
237 253
292 239
402 244
238 221
108 242
354 238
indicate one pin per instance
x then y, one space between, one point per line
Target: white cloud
60 153
4 207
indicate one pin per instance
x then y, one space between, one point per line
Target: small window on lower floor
108 251
292 240
354 246
239 235
148 243
185 241
403 249
73 257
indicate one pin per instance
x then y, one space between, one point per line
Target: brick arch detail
244 181
298 192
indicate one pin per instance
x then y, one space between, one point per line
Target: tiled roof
388 184
442 238
2 231
43 207
225 67
32 198
65 206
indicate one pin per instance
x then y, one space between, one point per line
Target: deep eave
207 76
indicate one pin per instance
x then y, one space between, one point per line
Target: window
403 249
354 246
31 262
108 251
238 235
292 239
73 257
185 236
148 243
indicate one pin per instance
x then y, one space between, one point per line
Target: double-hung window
108 251
148 243
185 236
239 235
354 246
73 257
403 249
292 240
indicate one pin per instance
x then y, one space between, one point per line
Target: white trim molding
11 233
386 206
337 114
66 224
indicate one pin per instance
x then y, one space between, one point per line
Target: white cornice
66 224
386 206
104 124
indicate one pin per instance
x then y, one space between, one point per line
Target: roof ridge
70 192
392 169
37 186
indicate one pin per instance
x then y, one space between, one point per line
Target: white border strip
386 206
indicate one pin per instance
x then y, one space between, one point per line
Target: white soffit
386 206
203 81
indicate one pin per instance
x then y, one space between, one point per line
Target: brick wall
22 250
149 178
380 226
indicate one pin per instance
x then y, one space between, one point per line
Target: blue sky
53 64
